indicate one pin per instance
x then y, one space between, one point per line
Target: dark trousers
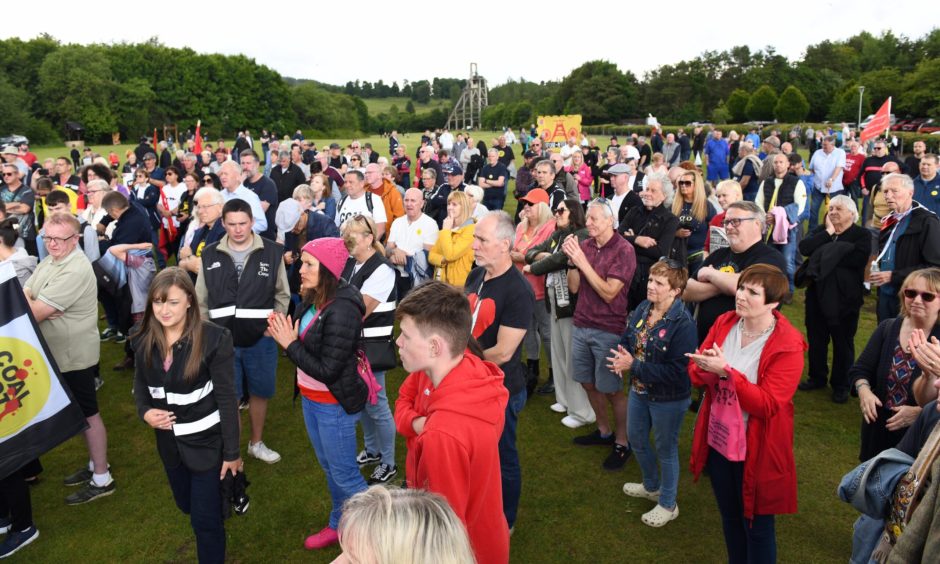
819 333
198 495
510 470
748 542
15 501
889 304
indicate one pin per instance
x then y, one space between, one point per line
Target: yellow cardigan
452 254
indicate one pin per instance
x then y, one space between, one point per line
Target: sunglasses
684 183
560 211
926 296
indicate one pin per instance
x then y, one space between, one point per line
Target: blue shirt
242 193
927 193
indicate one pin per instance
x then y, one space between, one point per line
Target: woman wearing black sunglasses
892 386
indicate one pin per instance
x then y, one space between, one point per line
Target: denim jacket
870 486
663 372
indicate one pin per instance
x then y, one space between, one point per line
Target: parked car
914 124
929 126
15 140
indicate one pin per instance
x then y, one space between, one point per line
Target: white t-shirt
616 202
379 285
172 196
352 207
567 151
412 237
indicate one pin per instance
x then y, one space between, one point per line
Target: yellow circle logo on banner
24 384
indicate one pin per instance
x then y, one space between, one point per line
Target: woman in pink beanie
323 345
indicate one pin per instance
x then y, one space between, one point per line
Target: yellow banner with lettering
555 130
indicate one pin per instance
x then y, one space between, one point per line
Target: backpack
368 201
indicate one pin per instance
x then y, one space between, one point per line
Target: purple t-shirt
615 259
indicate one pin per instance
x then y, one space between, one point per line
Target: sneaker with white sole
659 516
91 492
365 457
633 489
572 422
260 451
382 474
5 525
17 540
558 408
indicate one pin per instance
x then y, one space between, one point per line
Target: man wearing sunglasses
717 280
19 200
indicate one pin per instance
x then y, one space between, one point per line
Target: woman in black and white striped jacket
185 390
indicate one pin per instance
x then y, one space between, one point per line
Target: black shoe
617 458
594 439
840 396
810 385
90 492
531 377
79 478
382 474
125 364
546 388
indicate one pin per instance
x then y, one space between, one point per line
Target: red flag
198 148
878 124
154 138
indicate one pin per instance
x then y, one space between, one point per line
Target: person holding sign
750 363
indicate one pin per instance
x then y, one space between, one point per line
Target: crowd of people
638 283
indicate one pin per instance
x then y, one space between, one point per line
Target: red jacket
769 468
457 453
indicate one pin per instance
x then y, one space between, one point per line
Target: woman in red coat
761 354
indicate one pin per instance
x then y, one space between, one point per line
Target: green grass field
571 509
384 105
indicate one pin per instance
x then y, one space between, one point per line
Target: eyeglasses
879 148
62 240
926 296
6 174
736 221
671 263
684 183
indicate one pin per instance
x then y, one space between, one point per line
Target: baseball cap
451 169
530 154
335 146
10 150
535 196
288 214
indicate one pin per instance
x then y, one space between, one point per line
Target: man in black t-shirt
716 283
493 179
264 187
501 303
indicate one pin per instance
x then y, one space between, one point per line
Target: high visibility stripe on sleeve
252 313
372 332
384 307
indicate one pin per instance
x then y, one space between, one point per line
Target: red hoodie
457 454
769 468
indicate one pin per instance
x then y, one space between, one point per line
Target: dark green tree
760 106
792 106
737 105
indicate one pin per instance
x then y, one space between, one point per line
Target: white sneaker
558 408
572 422
633 489
260 451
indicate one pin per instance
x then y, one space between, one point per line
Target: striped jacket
206 429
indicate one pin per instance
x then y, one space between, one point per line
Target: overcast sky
396 40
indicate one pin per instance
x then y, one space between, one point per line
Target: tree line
132 88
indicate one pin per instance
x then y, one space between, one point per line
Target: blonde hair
303 191
930 276
542 215
466 206
393 525
732 185
699 199
371 229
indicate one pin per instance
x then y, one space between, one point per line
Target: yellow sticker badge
24 384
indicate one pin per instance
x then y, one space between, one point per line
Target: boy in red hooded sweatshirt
451 411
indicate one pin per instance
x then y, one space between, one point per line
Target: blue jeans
493 202
665 418
816 200
753 542
332 433
510 470
198 495
789 253
889 304
378 426
256 365
866 533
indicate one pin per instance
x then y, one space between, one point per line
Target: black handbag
381 354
